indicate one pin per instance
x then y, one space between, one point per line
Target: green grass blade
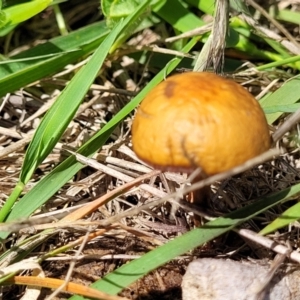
18 13
290 215
121 278
289 108
180 18
59 116
288 16
31 65
288 93
206 6
74 40
52 182
64 108
279 63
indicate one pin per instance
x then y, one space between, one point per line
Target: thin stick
208 181
274 22
269 244
286 126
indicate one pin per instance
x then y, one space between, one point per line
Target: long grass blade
50 57
287 94
58 117
121 278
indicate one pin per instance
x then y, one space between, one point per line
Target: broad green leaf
114 10
121 278
289 216
121 8
52 182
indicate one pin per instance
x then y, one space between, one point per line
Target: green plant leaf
18 13
50 57
289 216
289 108
114 10
288 16
64 108
177 15
62 111
206 6
3 19
288 93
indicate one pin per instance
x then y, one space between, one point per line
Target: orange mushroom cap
199 120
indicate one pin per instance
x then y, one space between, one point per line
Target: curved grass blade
50 57
288 93
289 108
290 215
59 116
18 13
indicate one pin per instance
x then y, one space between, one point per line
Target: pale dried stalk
287 125
208 181
275 23
269 244
98 166
212 52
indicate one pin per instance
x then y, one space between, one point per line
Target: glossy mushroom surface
199 119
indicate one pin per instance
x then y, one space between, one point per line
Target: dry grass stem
275 23
269 244
286 126
208 181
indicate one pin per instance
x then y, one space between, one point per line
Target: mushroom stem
199 197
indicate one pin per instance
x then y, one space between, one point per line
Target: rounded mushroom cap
199 120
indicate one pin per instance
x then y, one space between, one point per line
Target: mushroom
199 120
